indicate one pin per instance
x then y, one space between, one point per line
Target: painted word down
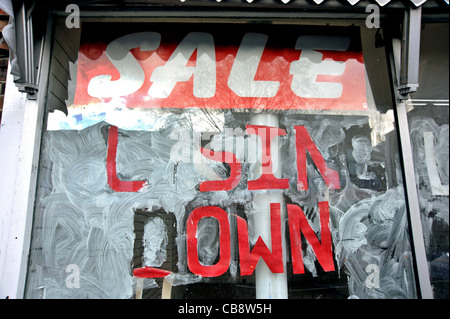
248 258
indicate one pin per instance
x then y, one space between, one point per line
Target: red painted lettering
224 239
267 180
235 171
248 260
303 143
298 223
113 181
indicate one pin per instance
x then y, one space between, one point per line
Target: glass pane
221 161
429 122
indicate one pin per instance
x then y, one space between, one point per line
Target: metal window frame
403 57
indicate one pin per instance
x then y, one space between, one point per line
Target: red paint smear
150 272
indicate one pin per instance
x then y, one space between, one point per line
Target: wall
4 56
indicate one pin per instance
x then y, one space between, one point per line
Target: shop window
221 161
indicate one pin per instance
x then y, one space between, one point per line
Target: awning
353 2
122 3
311 3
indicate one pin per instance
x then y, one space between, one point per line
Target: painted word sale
210 70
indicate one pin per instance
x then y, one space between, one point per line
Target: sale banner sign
223 69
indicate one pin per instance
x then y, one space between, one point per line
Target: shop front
229 149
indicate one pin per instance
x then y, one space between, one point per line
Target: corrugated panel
417 3
301 3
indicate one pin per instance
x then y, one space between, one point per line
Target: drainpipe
269 285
